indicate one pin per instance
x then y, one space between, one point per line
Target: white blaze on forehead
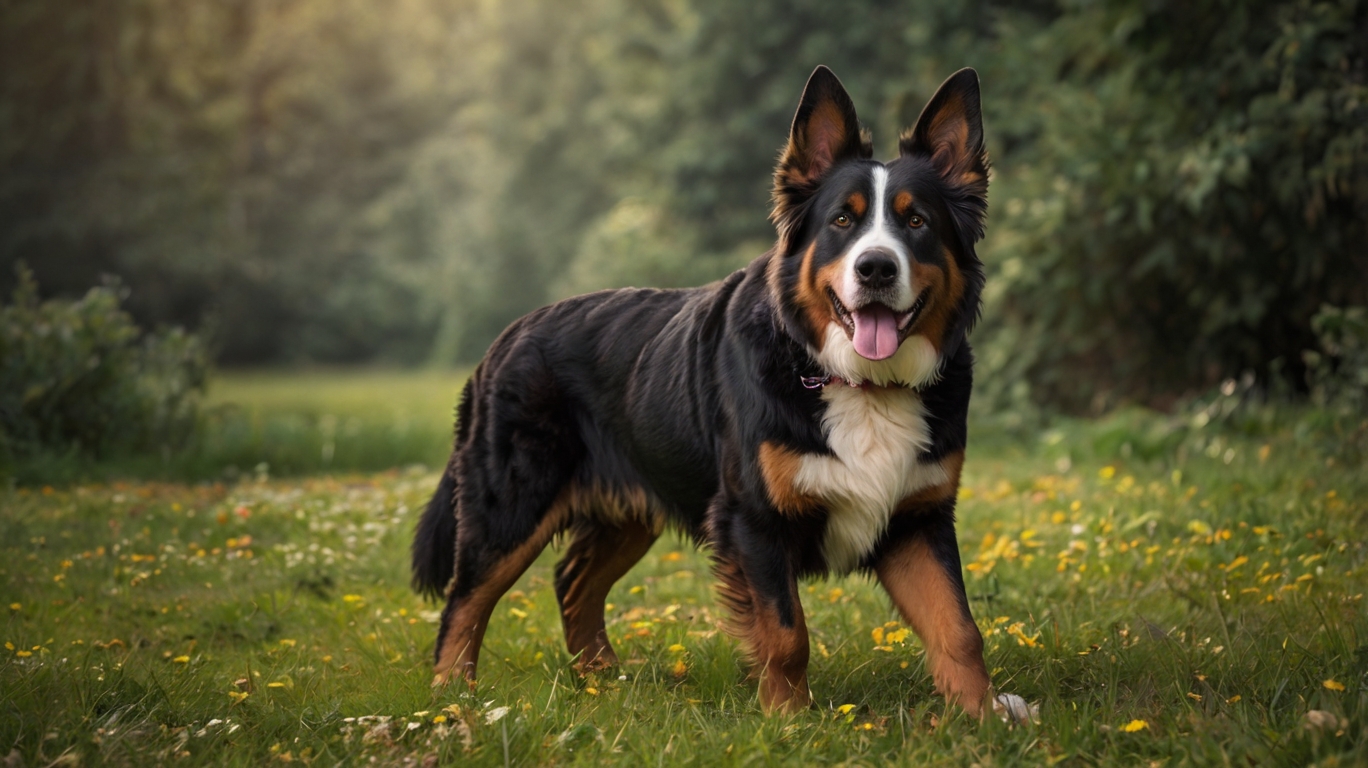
878 234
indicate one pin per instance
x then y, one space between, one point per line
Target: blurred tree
1189 186
1178 186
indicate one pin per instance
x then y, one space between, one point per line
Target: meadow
1167 590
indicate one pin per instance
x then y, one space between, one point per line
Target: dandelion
679 669
287 643
1030 641
1333 684
677 648
181 660
846 709
23 654
592 691
238 696
1135 725
1107 472
16 606
1234 699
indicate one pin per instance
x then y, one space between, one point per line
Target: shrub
1191 186
80 377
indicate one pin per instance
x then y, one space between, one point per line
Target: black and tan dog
803 416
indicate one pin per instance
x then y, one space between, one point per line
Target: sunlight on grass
1201 609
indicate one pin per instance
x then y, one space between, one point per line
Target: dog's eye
842 221
915 221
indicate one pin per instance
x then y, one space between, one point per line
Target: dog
804 416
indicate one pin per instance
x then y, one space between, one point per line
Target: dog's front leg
920 568
760 588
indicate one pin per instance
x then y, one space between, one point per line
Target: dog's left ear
825 131
950 133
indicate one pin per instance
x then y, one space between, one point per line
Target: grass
258 424
1164 600
327 421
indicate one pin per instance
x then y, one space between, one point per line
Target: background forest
1178 186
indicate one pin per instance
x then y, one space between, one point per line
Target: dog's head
875 270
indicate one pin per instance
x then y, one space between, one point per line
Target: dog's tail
434 541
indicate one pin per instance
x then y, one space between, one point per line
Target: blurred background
1179 197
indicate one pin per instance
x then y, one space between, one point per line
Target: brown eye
842 221
915 222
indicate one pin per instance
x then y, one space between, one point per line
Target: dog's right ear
825 132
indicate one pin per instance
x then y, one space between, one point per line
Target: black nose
876 269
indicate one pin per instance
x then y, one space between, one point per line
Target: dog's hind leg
920 568
475 592
600 554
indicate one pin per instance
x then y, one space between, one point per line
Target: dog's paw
1014 709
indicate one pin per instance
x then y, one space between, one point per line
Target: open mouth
875 329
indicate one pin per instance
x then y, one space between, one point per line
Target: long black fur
434 541
668 395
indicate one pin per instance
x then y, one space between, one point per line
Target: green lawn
1189 607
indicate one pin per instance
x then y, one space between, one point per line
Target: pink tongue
876 332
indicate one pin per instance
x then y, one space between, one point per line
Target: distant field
1194 606
292 423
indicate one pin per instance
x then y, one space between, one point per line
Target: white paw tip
1014 709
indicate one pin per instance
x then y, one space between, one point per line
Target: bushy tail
434 541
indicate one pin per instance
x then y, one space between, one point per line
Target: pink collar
818 382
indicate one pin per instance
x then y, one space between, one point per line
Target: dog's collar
819 382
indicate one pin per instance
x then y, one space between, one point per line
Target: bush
1191 185
79 377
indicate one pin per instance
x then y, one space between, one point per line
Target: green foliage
1339 370
1178 187
1192 186
79 376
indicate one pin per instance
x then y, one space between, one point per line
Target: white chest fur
876 436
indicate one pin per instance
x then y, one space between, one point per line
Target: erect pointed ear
825 131
950 132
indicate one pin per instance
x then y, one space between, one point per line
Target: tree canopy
1178 186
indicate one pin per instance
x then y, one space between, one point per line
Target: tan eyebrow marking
858 204
902 202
